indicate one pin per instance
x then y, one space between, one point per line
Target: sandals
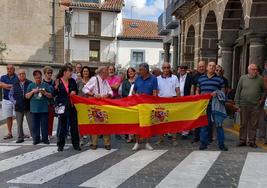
9 136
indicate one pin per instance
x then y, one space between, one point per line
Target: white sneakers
148 146
137 146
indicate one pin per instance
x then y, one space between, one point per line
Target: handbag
60 109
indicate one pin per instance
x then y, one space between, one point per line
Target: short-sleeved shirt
167 86
209 85
92 86
145 86
8 80
39 104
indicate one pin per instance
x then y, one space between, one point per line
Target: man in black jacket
22 105
185 82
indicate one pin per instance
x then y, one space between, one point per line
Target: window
94 54
137 57
94 23
161 58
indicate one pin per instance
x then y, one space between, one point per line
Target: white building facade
91 37
138 43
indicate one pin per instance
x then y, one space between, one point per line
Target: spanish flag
141 114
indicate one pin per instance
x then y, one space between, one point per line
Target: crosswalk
116 168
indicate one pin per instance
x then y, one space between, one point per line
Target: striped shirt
209 85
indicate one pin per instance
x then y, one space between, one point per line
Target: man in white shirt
168 86
98 87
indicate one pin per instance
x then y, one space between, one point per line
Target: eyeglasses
49 73
166 67
218 70
183 67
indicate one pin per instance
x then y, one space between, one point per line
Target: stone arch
209 50
232 45
190 46
233 21
258 33
258 16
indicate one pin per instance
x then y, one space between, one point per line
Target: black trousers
68 118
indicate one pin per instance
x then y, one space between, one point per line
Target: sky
143 9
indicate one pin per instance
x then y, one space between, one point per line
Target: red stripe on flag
108 129
137 99
144 132
173 127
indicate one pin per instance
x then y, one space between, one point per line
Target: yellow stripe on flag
171 112
108 113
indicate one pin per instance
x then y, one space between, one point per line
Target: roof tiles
139 29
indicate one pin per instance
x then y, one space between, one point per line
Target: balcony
185 7
81 30
179 3
171 21
83 56
162 30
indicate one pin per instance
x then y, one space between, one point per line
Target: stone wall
26 28
231 32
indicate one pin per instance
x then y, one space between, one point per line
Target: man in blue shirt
145 84
209 83
8 107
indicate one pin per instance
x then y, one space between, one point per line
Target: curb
2 122
235 132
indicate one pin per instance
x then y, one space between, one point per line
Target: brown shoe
9 136
93 147
108 147
240 144
253 145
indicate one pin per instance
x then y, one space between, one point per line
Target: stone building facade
230 32
33 31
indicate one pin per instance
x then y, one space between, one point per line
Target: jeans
40 122
205 132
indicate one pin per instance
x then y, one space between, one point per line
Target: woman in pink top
114 81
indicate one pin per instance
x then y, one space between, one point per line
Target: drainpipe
54 31
199 30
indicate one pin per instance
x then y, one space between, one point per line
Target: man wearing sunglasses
185 82
168 86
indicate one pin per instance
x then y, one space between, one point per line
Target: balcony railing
178 3
108 31
162 30
84 56
171 21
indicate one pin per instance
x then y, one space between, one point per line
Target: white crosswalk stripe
190 171
22 159
59 168
4 149
118 173
254 173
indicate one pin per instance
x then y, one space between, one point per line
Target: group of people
44 97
